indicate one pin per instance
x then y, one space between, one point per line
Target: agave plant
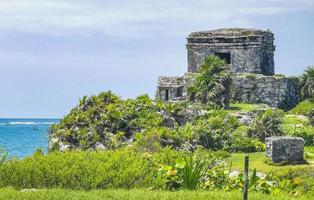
213 83
193 171
307 83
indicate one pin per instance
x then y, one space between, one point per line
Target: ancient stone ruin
287 150
250 54
246 50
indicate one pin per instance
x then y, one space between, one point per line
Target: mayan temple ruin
250 54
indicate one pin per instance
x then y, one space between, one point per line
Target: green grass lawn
59 194
245 107
257 161
295 119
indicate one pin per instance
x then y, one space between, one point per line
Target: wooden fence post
246 178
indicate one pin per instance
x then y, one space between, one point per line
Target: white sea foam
47 123
27 123
22 123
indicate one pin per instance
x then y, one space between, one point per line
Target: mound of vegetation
108 122
107 119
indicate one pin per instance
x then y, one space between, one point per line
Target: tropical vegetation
142 148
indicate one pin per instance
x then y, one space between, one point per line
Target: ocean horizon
21 137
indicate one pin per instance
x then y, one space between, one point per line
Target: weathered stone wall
169 88
288 150
251 51
173 88
243 60
274 91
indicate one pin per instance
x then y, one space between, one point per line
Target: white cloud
124 17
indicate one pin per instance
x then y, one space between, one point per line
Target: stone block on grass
285 150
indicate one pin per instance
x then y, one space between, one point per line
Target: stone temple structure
246 50
250 54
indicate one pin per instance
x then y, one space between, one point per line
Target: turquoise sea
21 137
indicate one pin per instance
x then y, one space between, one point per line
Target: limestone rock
100 146
168 120
245 118
289 150
64 147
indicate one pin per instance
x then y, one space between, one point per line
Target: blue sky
53 52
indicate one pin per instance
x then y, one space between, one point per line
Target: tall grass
60 194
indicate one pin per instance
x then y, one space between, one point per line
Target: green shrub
78 170
215 132
242 143
123 168
266 124
197 172
156 138
219 177
299 126
294 181
300 130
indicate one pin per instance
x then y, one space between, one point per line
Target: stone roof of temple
230 32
